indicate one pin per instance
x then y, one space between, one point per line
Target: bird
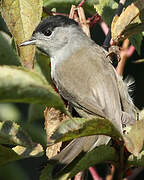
84 76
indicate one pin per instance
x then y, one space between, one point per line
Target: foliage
21 83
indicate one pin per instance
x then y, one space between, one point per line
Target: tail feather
77 146
70 151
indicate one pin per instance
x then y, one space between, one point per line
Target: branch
124 54
104 27
81 3
79 176
94 173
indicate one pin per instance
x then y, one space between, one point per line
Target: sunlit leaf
141 113
78 127
136 161
139 61
53 117
35 150
9 112
135 137
12 133
21 18
21 85
129 22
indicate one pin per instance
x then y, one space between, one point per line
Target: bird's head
52 34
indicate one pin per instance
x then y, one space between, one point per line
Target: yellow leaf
134 139
53 117
129 16
36 150
21 17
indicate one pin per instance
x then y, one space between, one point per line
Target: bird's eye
47 32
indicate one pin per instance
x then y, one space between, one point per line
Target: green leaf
9 112
106 9
22 17
7 55
12 133
64 6
78 127
139 61
3 26
21 85
136 161
43 66
7 155
136 41
13 171
46 173
37 133
101 154
36 112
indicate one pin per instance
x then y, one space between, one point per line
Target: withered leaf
53 118
135 137
129 17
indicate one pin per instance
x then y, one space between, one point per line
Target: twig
110 176
93 20
121 64
130 51
124 54
94 173
81 3
83 22
79 176
72 11
104 27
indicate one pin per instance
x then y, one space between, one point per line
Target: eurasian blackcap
84 76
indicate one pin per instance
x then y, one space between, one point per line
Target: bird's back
90 83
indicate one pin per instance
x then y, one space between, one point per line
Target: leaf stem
94 173
120 166
81 3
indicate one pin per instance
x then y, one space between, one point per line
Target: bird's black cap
54 21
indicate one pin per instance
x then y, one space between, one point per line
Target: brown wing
90 84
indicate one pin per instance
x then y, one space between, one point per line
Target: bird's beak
31 41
